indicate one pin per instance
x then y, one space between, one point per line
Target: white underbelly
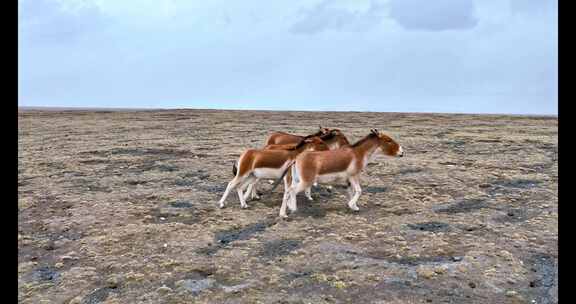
268 173
332 177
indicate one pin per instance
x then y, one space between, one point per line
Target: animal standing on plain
317 145
256 164
335 165
332 139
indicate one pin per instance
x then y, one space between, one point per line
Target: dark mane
367 137
330 135
299 145
319 133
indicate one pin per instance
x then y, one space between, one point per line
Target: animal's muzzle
400 152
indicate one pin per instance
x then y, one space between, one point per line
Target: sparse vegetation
121 207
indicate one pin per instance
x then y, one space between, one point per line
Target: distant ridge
95 109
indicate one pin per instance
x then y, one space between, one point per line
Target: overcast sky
483 56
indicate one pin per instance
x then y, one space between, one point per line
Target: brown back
281 147
282 138
271 158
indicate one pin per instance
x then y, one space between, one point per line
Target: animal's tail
277 182
234 169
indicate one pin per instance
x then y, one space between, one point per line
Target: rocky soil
121 207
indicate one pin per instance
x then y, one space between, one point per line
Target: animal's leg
288 177
308 193
300 186
248 191
293 176
286 188
350 190
241 197
357 191
254 191
251 190
247 182
289 186
231 185
294 181
285 199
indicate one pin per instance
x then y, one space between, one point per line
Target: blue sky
483 56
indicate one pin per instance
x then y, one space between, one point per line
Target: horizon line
133 109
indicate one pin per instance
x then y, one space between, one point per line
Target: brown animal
317 145
282 138
256 164
335 139
331 139
342 164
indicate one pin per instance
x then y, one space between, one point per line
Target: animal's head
315 144
323 130
335 138
387 144
336 132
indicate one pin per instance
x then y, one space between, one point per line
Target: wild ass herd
302 161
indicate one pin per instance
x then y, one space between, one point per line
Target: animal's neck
337 142
366 149
342 141
298 150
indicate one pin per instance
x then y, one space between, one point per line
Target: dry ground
120 207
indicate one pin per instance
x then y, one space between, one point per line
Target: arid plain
121 207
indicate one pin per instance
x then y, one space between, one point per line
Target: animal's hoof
355 208
243 206
283 216
257 197
310 198
221 206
